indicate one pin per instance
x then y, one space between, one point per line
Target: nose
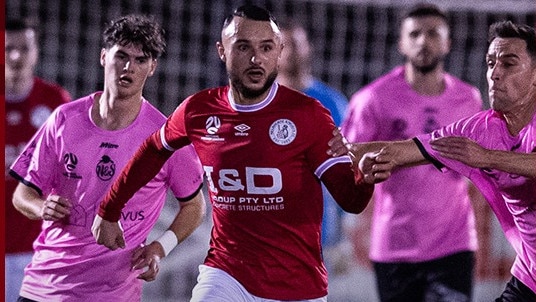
495 72
127 66
14 55
255 59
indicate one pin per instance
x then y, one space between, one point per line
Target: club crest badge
283 132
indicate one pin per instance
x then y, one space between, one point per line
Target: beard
427 68
247 92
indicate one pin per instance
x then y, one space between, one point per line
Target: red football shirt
263 163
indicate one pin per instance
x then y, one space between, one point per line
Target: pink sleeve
185 173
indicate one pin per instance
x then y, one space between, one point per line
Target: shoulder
51 90
298 98
210 93
487 121
150 113
455 84
382 87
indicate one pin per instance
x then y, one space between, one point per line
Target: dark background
355 41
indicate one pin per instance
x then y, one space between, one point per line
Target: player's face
251 51
126 68
21 54
424 41
511 75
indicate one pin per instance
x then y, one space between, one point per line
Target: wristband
169 241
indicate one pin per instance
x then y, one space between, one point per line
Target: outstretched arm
472 154
143 167
377 159
188 218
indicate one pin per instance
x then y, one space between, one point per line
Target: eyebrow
249 41
137 57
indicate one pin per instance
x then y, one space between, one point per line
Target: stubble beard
247 92
425 69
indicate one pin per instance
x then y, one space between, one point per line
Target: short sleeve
185 172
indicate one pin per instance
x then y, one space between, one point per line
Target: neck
430 83
522 116
112 113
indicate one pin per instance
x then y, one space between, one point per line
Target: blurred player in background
29 100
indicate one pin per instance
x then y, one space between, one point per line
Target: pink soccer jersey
512 197
263 163
73 158
419 214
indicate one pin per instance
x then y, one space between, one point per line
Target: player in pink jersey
29 100
417 254
263 149
73 159
496 149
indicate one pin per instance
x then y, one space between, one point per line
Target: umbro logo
242 128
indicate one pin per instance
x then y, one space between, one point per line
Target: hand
109 234
376 166
148 256
338 144
55 208
461 149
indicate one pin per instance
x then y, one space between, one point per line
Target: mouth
255 74
125 80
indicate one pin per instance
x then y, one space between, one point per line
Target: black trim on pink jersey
22 180
427 156
190 197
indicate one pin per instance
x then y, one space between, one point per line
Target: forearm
523 164
406 152
28 202
190 216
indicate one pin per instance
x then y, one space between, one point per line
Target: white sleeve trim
163 139
330 162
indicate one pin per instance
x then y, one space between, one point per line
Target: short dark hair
139 30
252 12
508 29
421 10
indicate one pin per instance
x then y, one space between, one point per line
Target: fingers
153 265
55 208
120 241
109 234
338 145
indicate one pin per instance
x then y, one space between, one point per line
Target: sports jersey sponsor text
230 180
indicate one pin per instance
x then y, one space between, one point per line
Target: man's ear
221 51
154 63
102 57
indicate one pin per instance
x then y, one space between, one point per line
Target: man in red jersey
263 149
29 101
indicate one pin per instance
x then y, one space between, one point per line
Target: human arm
376 160
472 154
188 218
28 201
349 190
142 167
